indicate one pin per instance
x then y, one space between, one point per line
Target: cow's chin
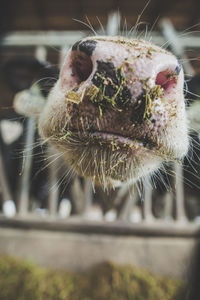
107 162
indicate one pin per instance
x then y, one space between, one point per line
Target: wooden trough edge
119 228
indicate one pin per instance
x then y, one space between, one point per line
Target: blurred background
61 221
51 15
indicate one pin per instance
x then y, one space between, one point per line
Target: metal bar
5 189
168 208
68 38
77 195
179 192
113 24
42 38
23 200
53 196
127 205
147 205
176 43
53 182
88 193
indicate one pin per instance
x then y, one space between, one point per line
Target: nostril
167 80
81 66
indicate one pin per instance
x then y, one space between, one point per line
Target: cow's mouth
130 146
117 140
110 158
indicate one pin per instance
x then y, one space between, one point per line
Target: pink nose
118 67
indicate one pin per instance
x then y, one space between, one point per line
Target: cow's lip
124 140
116 140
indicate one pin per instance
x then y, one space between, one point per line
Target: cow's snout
115 73
114 97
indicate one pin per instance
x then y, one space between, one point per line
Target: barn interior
104 242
